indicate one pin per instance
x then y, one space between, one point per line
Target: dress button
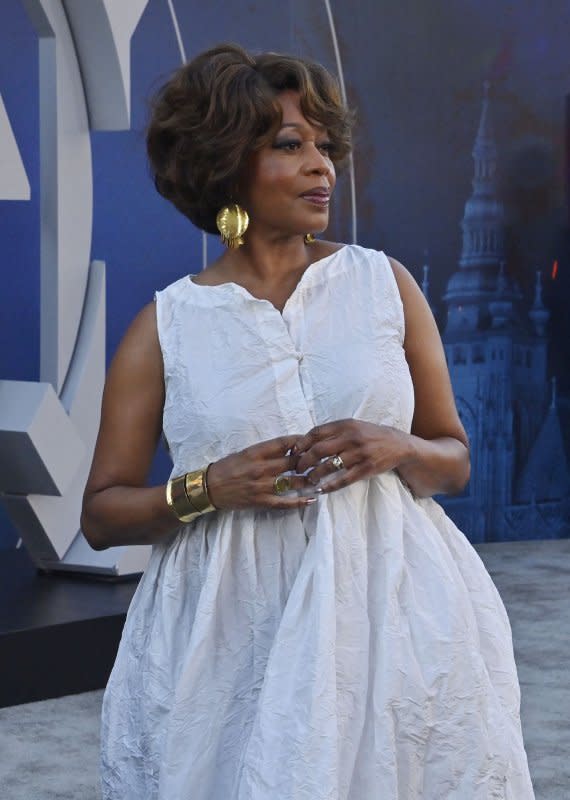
299 357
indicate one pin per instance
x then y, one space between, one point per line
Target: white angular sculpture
41 450
55 439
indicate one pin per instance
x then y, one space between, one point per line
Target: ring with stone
282 484
337 462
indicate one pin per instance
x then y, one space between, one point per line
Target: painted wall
415 73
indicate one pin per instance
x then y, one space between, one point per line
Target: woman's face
289 181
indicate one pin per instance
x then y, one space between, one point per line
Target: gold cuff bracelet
187 495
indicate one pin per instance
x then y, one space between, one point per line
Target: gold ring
282 484
337 462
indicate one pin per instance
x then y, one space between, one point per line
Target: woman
308 627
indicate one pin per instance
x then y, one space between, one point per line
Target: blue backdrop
415 73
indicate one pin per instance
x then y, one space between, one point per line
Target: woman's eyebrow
301 125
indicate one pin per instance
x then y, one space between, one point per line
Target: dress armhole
393 292
161 306
163 322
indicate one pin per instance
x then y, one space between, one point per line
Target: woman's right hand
246 479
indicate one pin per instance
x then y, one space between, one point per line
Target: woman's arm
118 508
434 458
438 460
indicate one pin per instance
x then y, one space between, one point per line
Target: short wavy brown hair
219 108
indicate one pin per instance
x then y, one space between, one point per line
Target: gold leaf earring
232 221
309 238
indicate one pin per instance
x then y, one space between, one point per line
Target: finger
275 466
326 468
280 446
344 478
303 443
295 483
320 450
288 503
292 480
285 444
319 432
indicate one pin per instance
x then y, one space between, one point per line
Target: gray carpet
534 581
49 750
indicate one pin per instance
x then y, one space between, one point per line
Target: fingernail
310 500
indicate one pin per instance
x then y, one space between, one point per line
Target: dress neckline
309 274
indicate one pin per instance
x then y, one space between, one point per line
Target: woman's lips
321 200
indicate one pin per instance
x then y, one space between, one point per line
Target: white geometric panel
48 430
14 183
102 33
40 449
66 189
48 522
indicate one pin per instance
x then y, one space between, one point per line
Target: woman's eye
327 147
288 145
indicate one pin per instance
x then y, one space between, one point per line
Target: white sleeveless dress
353 650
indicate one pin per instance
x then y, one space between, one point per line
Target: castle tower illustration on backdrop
497 355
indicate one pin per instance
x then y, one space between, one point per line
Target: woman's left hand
365 450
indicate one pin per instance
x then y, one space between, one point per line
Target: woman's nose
318 163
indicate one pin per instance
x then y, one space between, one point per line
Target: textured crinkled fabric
355 650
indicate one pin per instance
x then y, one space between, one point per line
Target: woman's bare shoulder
144 323
139 348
